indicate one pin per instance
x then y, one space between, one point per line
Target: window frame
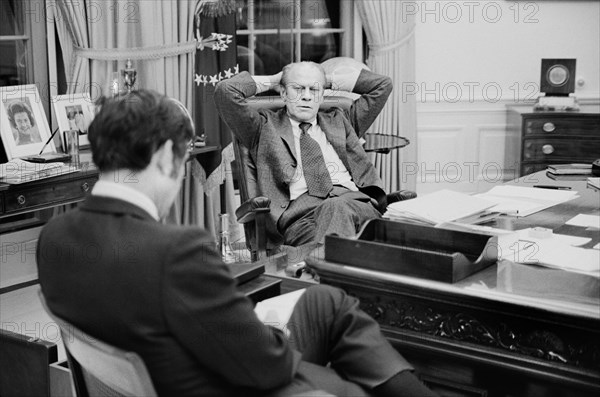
350 42
34 35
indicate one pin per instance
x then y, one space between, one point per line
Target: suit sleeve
216 323
231 102
374 90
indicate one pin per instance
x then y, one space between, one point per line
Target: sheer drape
97 37
390 34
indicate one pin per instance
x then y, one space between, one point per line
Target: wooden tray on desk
414 250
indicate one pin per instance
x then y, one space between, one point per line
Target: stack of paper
523 201
434 208
570 169
18 171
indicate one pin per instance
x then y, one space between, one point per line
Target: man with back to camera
112 269
22 120
348 190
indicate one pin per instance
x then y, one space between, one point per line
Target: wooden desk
49 192
509 330
61 190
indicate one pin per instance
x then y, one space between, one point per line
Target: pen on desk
553 187
48 141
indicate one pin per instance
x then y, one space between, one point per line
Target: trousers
343 350
309 219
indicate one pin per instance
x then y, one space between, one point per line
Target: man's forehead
304 74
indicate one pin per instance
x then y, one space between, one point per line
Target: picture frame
24 126
74 112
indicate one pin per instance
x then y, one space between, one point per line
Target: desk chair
99 369
254 211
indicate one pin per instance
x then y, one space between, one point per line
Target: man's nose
306 94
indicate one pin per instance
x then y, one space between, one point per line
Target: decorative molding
456 325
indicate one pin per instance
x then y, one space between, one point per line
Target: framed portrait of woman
25 128
74 112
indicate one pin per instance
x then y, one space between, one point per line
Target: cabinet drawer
47 195
572 149
552 126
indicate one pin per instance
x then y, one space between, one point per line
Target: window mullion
251 37
297 35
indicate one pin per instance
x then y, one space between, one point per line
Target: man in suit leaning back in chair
310 163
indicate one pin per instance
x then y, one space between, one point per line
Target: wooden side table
555 137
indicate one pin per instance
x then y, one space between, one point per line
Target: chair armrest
248 210
256 210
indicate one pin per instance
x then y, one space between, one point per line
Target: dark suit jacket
268 136
162 291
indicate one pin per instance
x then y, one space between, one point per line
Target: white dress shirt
125 193
337 171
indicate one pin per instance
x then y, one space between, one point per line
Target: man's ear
163 158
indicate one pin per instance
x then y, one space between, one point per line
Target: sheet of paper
558 239
277 311
585 221
558 251
441 206
523 201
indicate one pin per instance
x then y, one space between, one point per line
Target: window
23 60
23 45
273 33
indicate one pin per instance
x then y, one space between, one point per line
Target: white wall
506 52
474 58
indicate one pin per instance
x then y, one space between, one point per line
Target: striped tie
316 175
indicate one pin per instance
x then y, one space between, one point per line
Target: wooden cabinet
555 137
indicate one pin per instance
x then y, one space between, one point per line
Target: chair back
99 369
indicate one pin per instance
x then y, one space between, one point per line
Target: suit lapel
284 127
336 135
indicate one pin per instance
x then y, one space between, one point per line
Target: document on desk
18 171
557 251
585 220
522 201
438 207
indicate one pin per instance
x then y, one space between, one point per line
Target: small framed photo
74 112
24 126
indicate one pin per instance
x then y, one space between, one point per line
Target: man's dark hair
129 129
19 107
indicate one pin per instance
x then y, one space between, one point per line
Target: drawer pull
21 199
547 149
548 127
85 186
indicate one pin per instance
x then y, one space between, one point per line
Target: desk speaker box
558 77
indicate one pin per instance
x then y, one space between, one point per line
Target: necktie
316 175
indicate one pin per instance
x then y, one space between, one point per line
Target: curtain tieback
385 47
122 54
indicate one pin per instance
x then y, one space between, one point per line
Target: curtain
97 37
158 36
390 35
71 27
